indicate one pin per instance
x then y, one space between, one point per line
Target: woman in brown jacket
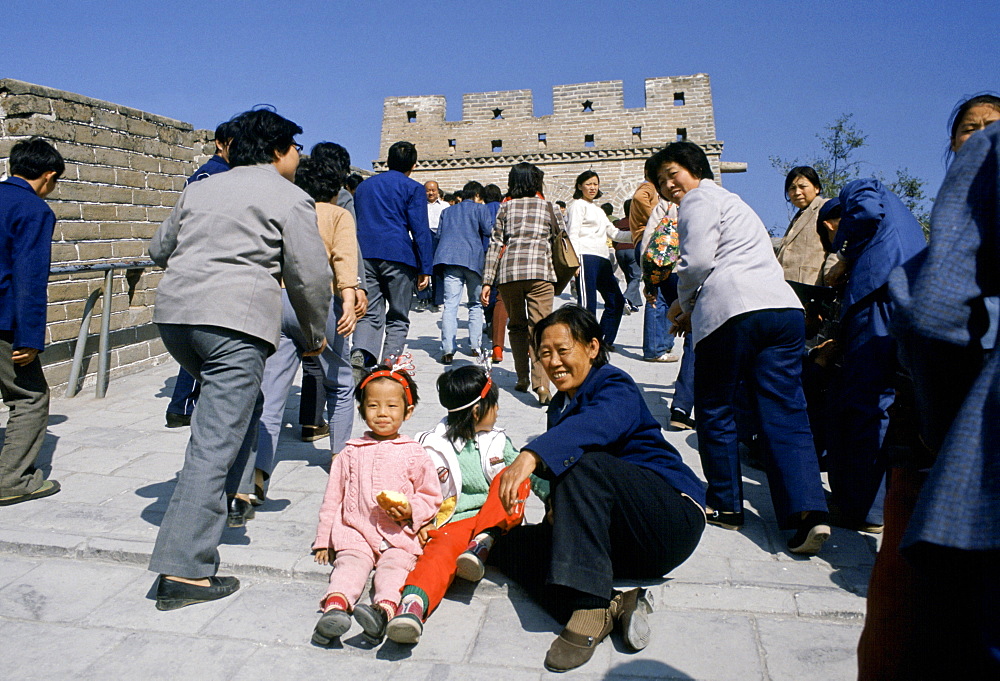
801 254
519 262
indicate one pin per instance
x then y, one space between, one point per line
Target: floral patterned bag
662 253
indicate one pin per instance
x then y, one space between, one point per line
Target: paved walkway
74 598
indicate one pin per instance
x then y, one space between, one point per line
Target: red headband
396 376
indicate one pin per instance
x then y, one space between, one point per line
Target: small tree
838 166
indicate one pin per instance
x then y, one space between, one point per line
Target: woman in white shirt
589 230
748 327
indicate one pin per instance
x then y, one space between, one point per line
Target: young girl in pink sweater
358 532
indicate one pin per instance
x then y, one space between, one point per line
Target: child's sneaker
472 564
408 623
372 619
334 622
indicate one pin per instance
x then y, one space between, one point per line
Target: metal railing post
103 350
81 343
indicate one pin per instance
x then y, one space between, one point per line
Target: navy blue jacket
214 165
461 232
26 225
880 235
608 414
392 220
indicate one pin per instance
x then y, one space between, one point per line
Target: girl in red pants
470 452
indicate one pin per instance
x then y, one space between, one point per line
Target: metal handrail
103 352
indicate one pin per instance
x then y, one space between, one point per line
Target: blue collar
18 182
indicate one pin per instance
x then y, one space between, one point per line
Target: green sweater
475 487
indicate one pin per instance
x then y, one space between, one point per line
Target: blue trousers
860 398
456 278
764 348
684 385
656 338
627 260
390 287
597 277
185 394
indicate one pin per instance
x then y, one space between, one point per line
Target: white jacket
444 455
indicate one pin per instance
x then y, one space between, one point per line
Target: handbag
662 252
565 262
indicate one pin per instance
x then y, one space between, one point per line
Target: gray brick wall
124 171
605 136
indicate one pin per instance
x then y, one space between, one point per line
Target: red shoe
497 353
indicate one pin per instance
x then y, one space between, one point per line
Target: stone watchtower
589 128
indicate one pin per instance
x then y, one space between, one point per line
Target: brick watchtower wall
589 128
124 171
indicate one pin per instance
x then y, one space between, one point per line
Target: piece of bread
388 499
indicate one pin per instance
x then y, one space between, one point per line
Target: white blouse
589 228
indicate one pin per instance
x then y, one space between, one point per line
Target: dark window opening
452 143
588 140
588 107
497 114
678 99
411 116
682 134
541 139
637 131
497 146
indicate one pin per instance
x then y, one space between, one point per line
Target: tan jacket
801 252
644 201
336 228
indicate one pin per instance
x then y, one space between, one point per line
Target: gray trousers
389 285
229 364
279 373
26 394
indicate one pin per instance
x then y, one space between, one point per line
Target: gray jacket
727 262
226 245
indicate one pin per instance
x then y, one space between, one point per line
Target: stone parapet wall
590 128
125 169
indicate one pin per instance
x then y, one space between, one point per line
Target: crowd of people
851 348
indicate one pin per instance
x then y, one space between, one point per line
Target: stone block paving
75 595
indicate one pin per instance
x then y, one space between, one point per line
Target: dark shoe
522 385
373 620
171 595
358 368
435 308
332 624
177 420
571 650
46 489
446 359
840 520
631 611
680 421
544 396
313 433
407 625
730 520
812 534
240 512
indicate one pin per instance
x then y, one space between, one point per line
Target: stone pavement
74 593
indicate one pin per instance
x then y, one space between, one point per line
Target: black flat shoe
730 520
171 595
177 420
240 512
372 619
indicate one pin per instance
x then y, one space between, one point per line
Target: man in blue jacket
186 389
459 258
874 233
26 225
395 241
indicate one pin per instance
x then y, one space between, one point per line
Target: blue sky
780 70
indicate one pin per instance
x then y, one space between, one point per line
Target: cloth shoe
680 421
665 357
313 433
522 385
333 623
472 563
177 420
407 624
812 534
373 619
630 610
729 520
576 644
447 358
171 595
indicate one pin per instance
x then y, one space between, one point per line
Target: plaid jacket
525 226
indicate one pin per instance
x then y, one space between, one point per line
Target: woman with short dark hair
801 254
623 505
747 323
524 274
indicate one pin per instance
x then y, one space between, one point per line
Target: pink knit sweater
350 518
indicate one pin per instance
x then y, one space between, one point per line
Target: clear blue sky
780 70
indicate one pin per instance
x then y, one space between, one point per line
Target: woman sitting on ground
622 503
